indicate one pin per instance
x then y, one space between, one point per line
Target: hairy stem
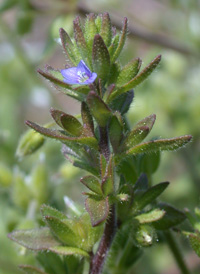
176 252
105 243
98 259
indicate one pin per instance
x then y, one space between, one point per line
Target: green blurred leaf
151 216
35 239
68 250
171 218
123 102
149 196
7 4
194 239
29 269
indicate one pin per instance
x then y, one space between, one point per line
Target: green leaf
160 145
108 180
98 108
171 218
80 41
149 196
69 48
121 41
51 262
151 216
87 119
90 30
98 210
100 58
137 79
52 212
35 239
194 239
92 183
135 137
128 72
150 162
62 230
29 269
68 250
114 44
116 130
103 165
142 184
123 102
67 122
55 134
106 29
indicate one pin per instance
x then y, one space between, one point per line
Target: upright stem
176 252
98 259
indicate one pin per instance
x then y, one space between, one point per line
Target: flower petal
70 76
83 68
91 79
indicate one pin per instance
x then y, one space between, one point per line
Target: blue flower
80 75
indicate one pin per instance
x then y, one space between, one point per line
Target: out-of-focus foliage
27 33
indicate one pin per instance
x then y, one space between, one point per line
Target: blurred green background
28 34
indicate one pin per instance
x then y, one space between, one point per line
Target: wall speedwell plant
122 214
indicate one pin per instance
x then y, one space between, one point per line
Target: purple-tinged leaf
87 119
68 47
98 109
128 72
80 40
160 145
147 121
98 210
92 183
29 269
100 58
55 134
67 122
106 29
35 239
121 41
